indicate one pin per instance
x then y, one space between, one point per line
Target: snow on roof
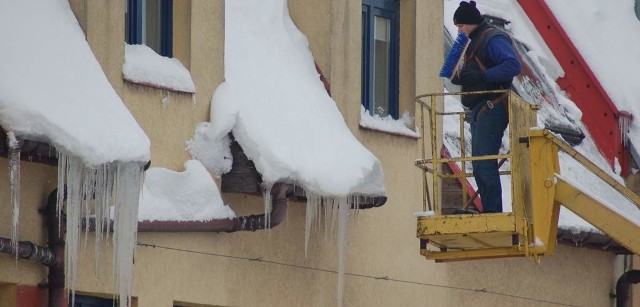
143 65
606 34
277 108
191 195
53 89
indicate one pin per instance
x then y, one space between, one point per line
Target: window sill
144 66
414 136
159 87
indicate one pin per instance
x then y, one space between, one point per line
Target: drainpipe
52 256
55 231
279 196
623 286
28 250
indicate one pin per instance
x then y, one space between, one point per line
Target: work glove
470 77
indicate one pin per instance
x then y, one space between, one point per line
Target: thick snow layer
278 110
143 65
191 195
53 89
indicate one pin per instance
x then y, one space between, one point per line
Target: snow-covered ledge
53 90
144 66
388 124
278 110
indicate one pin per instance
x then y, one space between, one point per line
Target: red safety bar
471 191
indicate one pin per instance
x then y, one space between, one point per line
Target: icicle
104 184
193 99
90 191
343 227
312 207
165 100
86 192
128 185
335 213
62 190
73 184
14 181
328 214
354 203
332 210
268 205
624 121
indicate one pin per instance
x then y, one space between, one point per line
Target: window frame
134 24
389 9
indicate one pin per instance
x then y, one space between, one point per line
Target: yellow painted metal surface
465 223
460 237
543 210
610 222
475 254
531 228
466 231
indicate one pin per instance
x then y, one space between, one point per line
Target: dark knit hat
467 14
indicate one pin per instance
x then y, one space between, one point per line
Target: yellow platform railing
537 190
522 116
463 236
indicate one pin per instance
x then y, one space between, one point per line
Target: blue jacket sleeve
501 52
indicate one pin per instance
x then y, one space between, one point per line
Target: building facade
352 41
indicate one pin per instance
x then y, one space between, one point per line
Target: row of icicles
105 192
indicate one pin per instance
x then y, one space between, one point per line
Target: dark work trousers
487 129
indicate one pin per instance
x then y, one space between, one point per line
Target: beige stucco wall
212 269
37 181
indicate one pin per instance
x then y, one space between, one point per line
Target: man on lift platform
490 63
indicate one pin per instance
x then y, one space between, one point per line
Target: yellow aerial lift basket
537 190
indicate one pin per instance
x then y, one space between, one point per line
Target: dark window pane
382 55
152 24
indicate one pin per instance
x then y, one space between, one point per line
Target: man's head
467 17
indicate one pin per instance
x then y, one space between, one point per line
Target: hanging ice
90 191
14 181
323 213
78 112
278 110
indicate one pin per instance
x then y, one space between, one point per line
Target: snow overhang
53 90
279 112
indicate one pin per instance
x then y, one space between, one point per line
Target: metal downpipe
623 286
28 250
52 256
279 196
55 231
280 193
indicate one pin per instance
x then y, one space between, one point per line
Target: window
150 22
89 301
380 44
